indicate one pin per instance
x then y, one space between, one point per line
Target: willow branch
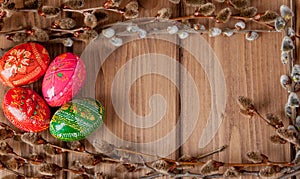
94 9
213 17
212 152
196 175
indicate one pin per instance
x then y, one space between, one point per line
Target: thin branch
289 175
245 165
213 17
264 119
136 153
212 152
68 31
82 11
196 175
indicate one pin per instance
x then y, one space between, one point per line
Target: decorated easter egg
23 64
77 119
26 110
63 79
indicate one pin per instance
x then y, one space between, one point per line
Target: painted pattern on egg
77 119
23 64
63 79
26 110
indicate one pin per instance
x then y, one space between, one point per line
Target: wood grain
26 20
250 69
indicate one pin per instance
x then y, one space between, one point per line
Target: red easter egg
23 64
26 109
63 79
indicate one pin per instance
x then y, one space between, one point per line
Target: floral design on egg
17 61
23 64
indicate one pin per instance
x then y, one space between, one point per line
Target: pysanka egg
63 79
26 110
23 64
77 119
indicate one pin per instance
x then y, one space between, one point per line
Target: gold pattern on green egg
77 119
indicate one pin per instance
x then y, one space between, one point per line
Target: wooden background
251 69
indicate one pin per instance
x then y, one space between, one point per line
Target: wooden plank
250 69
139 94
26 20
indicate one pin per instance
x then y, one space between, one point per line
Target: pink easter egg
63 79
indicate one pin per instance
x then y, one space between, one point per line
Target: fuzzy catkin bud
240 25
277 140
49 169
255 157
183 35
49 11
270 172
293 100
251 36
5 148
73 4
268 17
291 32
285 57
89 161
87 36
13 163
206 9
288 135
90 20
274 120
240 4
286 12
116 41
164 13
38 35
108 33
32 4
214 32
280 24
161 166
32 139
131 10
6 134
296 73
76 145
51 150
224 15
19 37
245 103
285 81
248 12
66 23
231 173
211 167
228 32
195 3
287 44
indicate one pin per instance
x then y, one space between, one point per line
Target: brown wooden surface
251 69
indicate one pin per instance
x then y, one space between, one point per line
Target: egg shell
26 110
63 79
77 119
23 64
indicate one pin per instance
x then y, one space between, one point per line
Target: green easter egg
77 119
